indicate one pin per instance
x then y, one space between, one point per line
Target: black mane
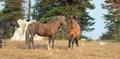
5 21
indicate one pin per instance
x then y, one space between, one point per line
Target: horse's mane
55 19
7 20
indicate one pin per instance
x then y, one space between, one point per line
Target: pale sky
1 7
97 13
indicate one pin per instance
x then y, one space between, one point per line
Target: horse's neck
5 25
69 27
57 24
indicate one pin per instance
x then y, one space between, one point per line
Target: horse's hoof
33 48
0 46
53 47
69 46
72 48
48 48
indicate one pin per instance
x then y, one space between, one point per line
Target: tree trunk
29 9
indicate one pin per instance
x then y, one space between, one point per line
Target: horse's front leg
52 42
49 42
73 42
69 42
77 42
1 41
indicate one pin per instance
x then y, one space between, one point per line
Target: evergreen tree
12 9
45 10
112 19
1 0
29 9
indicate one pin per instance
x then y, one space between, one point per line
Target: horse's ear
75 17
70 16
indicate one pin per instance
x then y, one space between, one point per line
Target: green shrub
9 33
89 39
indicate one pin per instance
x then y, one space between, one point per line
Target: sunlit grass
91 50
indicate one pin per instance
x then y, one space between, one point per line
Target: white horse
19 34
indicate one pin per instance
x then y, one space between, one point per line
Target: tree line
45 10
112 20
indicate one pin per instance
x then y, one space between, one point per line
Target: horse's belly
44 33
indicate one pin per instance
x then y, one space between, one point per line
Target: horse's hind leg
76 41
32 40
52 43
28 44
33 44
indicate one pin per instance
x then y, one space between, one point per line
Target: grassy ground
86 50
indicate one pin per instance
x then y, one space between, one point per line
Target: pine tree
29 10
45 10
112 19
12 9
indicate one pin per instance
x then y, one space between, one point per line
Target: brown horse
73 32
49 29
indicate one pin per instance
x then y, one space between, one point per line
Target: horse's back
47 29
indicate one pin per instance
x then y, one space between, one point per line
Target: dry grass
88 50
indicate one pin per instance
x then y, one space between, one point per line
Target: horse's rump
33 26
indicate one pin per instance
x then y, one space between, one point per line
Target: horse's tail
27 36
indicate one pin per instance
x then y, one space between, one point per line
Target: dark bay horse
73 32
4 25
49 29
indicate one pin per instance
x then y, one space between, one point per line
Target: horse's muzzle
17 26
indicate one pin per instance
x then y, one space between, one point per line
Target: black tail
27 37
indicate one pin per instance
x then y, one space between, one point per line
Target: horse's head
62 20
15 23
